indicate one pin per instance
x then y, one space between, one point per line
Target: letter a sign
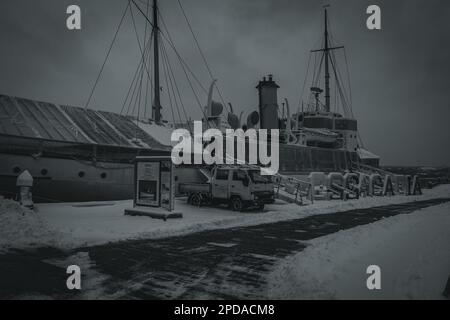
374 20
73 22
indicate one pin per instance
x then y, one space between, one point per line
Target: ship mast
326 51
157 101
327 70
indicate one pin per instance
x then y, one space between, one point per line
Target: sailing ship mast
157 99
327 70
326 51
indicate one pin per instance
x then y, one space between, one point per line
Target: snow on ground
21 227
413 252
84 224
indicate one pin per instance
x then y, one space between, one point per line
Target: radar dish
253 119
233 121
216 109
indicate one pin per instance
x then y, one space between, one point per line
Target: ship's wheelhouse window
16 169
103 175
44 172
81 174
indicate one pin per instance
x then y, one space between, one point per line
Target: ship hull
65 180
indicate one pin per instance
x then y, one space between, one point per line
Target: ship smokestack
268 103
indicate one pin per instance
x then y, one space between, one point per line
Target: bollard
25 185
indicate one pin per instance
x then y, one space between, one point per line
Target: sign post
154 194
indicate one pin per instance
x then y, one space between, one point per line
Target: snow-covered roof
161 133
366 154
42 120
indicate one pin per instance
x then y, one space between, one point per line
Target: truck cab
241 187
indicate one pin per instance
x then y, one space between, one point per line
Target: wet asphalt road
218 264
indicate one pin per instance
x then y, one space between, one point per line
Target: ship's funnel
268 103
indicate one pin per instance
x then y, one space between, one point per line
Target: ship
320 136
317 137
78 154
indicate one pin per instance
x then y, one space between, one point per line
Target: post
25 184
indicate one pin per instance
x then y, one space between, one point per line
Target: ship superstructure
319 136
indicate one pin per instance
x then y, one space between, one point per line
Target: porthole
81 174
44 172
103 175
16 169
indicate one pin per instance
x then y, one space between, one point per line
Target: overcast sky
399 75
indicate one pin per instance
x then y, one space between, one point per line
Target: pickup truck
240 188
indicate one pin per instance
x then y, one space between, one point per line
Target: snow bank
21 227
413 252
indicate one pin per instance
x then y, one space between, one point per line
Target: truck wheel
236 204
261 207
195 200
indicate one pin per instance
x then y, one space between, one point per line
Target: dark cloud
399 74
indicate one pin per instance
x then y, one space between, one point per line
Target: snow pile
21 227
411 250
160 133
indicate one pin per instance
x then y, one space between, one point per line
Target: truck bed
194 187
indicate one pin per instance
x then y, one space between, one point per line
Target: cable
169 40
176 86
201 51
306 79
183 64
349 83
139 42
107 55
167 85
147 49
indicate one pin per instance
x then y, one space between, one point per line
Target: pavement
217 264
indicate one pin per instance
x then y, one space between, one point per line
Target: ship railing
297 189
364 168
